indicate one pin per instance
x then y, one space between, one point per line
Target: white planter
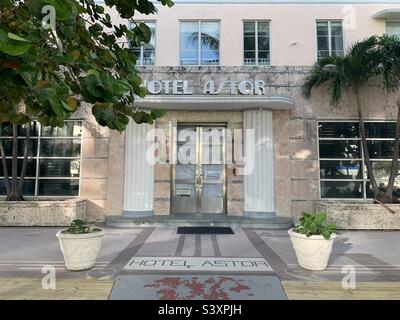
80 250
312 252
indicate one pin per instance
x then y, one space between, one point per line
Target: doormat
197 287
205 230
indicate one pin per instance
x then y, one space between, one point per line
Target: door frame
195 126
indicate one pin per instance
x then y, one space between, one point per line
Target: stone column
139 172
259 182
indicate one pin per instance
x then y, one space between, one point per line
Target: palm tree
389 70
349 73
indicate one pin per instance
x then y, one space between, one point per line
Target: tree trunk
395 160
25 161
365 146
14 195
5 168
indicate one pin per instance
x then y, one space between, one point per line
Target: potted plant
80 245
312 240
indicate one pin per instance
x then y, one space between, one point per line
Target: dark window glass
382 169
341 170
28 188
6 130
338 130
60 147
7 144
70 129
256 43
146 52
342 189
322 29
54 143
30 169
329 38
380 152
60 187
344 149
380 129
382 187
379 149
59 168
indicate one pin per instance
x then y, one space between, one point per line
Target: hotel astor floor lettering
209 264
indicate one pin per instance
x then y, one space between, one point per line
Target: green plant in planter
80 227
315 224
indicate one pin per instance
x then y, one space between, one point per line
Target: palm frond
389 66
206 40
352 71
320 76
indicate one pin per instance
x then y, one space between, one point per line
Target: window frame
139 61
329 21
364 179
36 158
199 51
392 21
256 21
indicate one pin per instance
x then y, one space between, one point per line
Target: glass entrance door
199 175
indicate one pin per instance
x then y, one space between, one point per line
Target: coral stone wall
295 139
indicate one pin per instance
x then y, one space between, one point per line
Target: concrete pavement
374 255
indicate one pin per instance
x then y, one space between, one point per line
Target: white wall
289 23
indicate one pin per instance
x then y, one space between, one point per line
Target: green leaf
57 107
313 228
158 113
70 104
320 217
12 47
119 87
16 37
142 92
94 86
326 234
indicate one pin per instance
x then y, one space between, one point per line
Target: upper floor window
393 28
199 43
147 51
330 38
342 166
256 43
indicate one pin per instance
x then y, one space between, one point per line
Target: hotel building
235 69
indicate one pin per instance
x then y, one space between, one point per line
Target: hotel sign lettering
211 87
198 264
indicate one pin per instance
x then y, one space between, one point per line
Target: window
147 51
256 43
393 28
54 159
329 38
200 43
342 167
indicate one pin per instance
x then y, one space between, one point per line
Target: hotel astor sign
210 87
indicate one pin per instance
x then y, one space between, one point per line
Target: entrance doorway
199 175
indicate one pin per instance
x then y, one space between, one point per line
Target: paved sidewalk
24 251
